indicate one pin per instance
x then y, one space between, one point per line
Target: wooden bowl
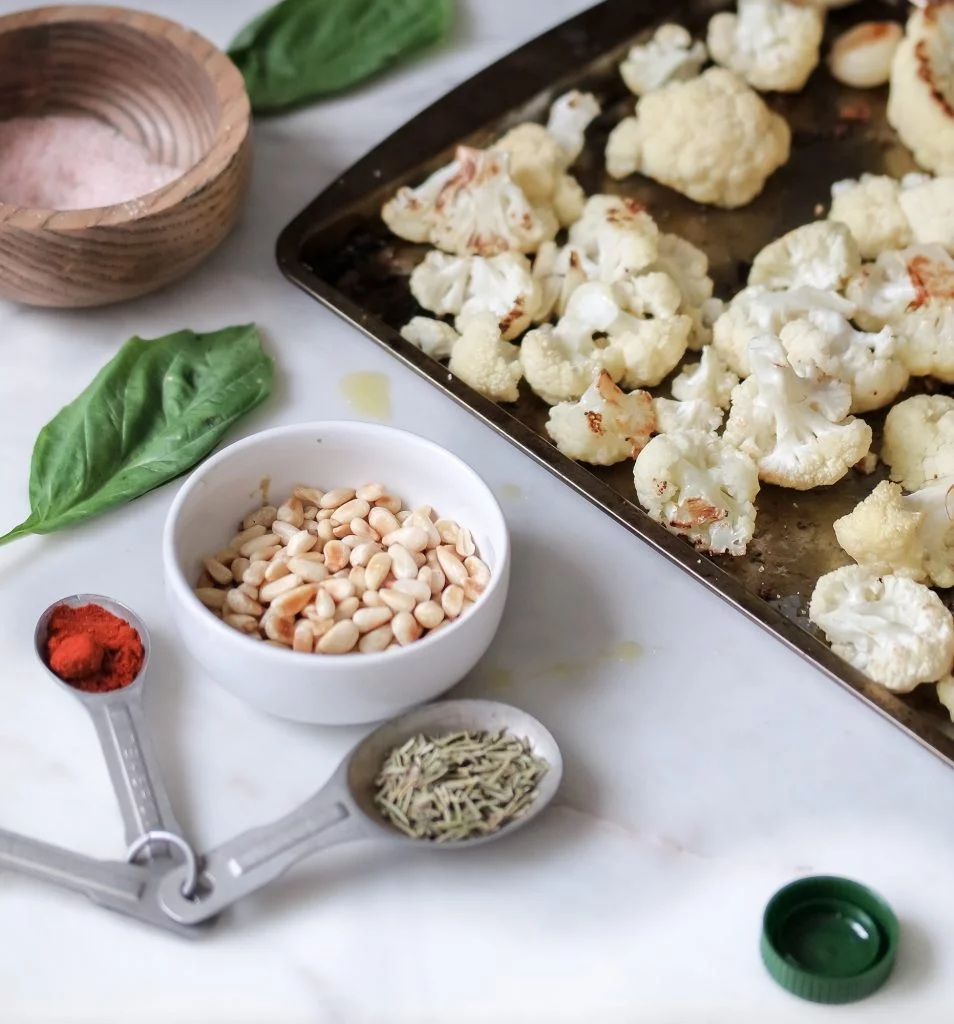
161 86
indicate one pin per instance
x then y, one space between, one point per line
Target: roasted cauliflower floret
772 44
918 441
871 210
483 360
711 138
675 417
709 380
796 428
688 266
896 631
605 426
669 56
821 255
559 271
921 96
570 116
433 337
618 234
928 205
651 349
700 487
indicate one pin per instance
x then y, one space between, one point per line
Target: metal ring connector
147 839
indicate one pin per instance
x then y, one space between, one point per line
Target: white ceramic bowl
331 689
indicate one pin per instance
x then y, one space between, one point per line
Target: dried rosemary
459 786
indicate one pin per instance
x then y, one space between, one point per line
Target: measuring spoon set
162 881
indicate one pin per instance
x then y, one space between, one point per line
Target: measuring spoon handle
133 768
256 857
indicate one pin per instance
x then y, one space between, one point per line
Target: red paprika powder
92 649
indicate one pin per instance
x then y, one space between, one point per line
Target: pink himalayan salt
61 162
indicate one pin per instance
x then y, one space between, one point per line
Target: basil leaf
301 49
154 411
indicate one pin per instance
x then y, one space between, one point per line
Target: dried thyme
458 786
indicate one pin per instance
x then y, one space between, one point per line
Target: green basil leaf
301 49
154 411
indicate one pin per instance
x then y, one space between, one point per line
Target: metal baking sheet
339 251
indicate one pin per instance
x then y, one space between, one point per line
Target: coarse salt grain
61 162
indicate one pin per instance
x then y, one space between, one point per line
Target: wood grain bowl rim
231 132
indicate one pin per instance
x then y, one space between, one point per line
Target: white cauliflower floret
928 204
711 138
756 310
568 200
605 426
433 337
709 380
559 271
652 293
688 266
918 441
471 206
651 349
912 291
908 535
700 487
561 362
870 364
618 234
669 56
796 428
570 116
921 95
484 361
675 417
822 255
896 631
439 282
870 208
502 285
772 44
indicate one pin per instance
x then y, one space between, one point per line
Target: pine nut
448 530
351 542
324 515
279 628
347 608
367 619
284 531
255 573
248 590
341 531
301 542
372 599
465 545
406 628
311 571
212 598
354 509
332 499
402 564
430 558
420 559
293 601
403 516
371 492
452 601
427 525
339 590
310 512
245 536
325 530
292 511
325 605
238 568
356 576
311 525
308 495
264 516
220 573
472 590
259 543
364 552
429 614
280 586
477 570
362 528
397 601
226 556
277 567
243 623
453 567
434 578
205 581
303 639
418 590
377 569
383 521
265 554
376 641
341 574
240 603
339 639
337 555
412 538
390 502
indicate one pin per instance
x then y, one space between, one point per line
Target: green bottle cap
829 940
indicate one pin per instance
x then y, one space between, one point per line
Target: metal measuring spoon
344 810
120 726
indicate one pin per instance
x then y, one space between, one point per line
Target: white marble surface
701 775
